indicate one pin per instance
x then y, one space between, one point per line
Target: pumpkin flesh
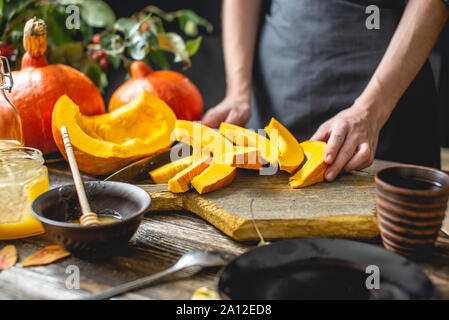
248 138
202 137
166 172
181 181
290 154
314 167
247 158
216 176
105 143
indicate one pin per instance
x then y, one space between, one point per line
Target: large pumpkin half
38 85
105 143
172 87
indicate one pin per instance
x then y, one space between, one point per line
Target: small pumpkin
290 153
170 86
314 167
38 85
105 143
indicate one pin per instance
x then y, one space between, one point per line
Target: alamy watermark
72 282
372 22
73 20
372 282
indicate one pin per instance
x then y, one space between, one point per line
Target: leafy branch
102 40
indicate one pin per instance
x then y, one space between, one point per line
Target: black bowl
56 207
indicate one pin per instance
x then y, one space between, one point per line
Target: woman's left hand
352 137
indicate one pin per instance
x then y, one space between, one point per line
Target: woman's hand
232 110
352 137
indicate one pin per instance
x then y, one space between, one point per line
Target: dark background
207 71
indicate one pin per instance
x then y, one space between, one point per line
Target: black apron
315 57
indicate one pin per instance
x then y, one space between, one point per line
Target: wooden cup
411 205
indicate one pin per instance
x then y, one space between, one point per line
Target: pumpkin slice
248 138
247 158
214 177
290 154
108 142
168 171
181 181
314 168
202 137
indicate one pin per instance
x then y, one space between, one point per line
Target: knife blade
138 172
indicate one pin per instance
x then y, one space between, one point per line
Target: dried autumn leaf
8 257
47 255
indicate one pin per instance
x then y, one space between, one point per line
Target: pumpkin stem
35 43
35 37
139 69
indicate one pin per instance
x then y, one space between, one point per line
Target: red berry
96 38
104 63
144 28
101 54
95 56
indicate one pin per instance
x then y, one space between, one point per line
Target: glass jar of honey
23 177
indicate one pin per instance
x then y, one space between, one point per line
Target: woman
322 72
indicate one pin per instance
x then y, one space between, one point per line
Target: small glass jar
11 134
23 177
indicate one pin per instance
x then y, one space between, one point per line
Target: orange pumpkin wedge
213 178
290 154
168 171
247 158
106 143
202 137
248 138
181 181
314 168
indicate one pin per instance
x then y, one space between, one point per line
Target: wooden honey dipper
88 217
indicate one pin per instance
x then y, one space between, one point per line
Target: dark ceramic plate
322 269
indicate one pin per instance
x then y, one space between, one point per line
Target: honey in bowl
104 217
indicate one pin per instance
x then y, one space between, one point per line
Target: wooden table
161 239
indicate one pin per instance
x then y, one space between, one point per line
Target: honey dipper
88 217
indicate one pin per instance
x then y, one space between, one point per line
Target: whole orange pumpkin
170 86
38 85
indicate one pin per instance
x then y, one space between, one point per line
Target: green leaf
164 15
140 45
190 28
193 45
15 7
158 58
173 42
97 13
116 61
192 16
112 43
125 25
57 33
71 54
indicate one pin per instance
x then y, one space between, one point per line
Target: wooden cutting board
344 208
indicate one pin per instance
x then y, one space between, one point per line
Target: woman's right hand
232 110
